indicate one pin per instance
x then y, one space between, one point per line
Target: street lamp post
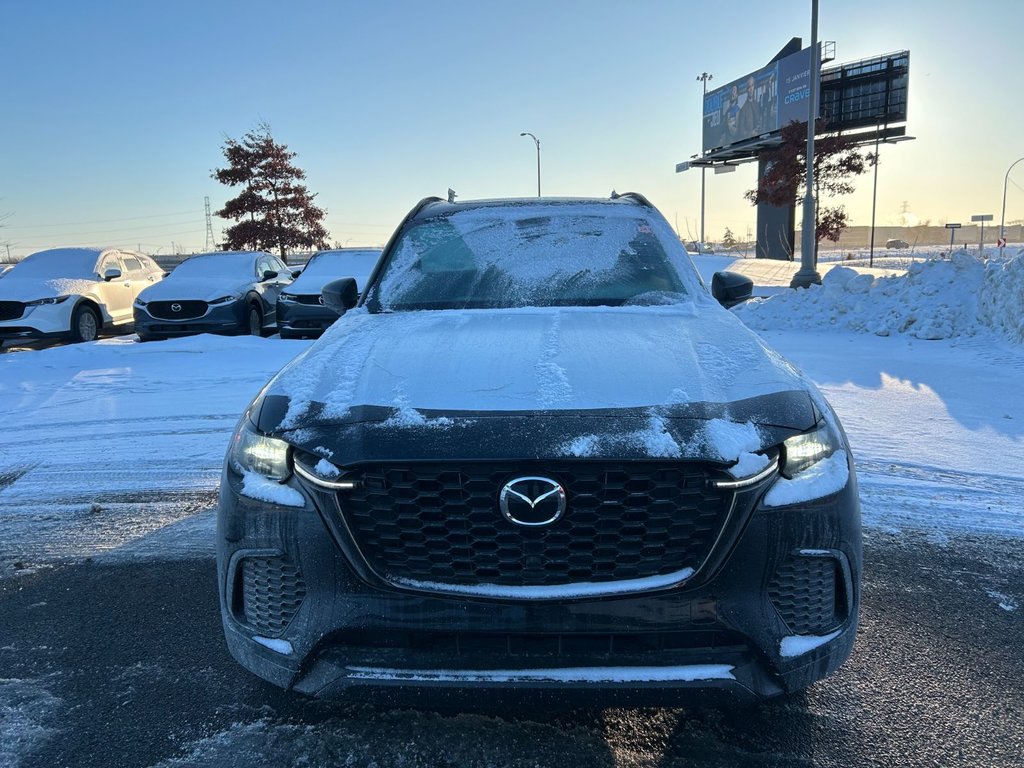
537 142
874 196
1002 217
703 77
808 273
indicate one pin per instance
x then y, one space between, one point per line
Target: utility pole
210 244
703 77
808 273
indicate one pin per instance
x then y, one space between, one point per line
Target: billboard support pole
874 196
704 77
808 273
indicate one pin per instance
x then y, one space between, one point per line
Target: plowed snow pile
936 299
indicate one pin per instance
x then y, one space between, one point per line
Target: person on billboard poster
770 105
749 117
732 116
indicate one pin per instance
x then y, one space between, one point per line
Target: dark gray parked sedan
300 307
231 292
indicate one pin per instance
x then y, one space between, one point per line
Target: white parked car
73 293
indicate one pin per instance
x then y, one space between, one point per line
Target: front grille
804 593
271 591
314 298
187 310
440 523
593 646
11 310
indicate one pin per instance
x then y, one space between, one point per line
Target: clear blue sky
114 112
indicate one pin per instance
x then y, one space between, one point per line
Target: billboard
761 102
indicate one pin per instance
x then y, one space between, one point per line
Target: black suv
537 454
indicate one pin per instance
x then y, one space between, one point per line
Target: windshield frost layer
529 256
236 265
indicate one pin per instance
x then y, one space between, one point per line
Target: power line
87 233
101 221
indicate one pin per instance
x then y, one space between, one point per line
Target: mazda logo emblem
320 299
175 307
532 501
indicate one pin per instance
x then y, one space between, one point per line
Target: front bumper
296 614
41 322
296 319
224 319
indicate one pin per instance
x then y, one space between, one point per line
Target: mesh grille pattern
441 523
188 309
804 593
11 310
272 591
308 298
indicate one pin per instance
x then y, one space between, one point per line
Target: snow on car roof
59 262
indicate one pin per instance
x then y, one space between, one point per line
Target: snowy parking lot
110 644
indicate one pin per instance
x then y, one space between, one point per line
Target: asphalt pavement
123 664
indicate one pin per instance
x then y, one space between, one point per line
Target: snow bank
1001 303
936 299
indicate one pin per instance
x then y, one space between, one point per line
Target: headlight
140 303
223 300
51 300
801 452
253 452
287 298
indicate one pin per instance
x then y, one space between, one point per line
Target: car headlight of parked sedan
252 452
801 452
223 300
49 300
287 298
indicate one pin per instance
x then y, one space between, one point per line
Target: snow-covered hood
643 366
30 289
197 288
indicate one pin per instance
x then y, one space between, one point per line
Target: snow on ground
107 442
26 711
115 447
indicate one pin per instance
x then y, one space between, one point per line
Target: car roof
434 206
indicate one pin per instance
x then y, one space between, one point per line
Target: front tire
255 321
85 324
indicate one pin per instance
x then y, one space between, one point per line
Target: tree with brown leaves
274 210
836 162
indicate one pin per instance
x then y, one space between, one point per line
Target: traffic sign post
982 217
952 231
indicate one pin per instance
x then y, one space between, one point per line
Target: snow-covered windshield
58 262
336 264
236 265
529 255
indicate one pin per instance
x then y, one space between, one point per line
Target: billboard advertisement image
759 103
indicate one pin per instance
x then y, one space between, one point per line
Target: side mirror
296 273
340 295
268 274
111 274
731 288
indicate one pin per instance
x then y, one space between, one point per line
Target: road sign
982 217
953 226
681 167
1000 242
